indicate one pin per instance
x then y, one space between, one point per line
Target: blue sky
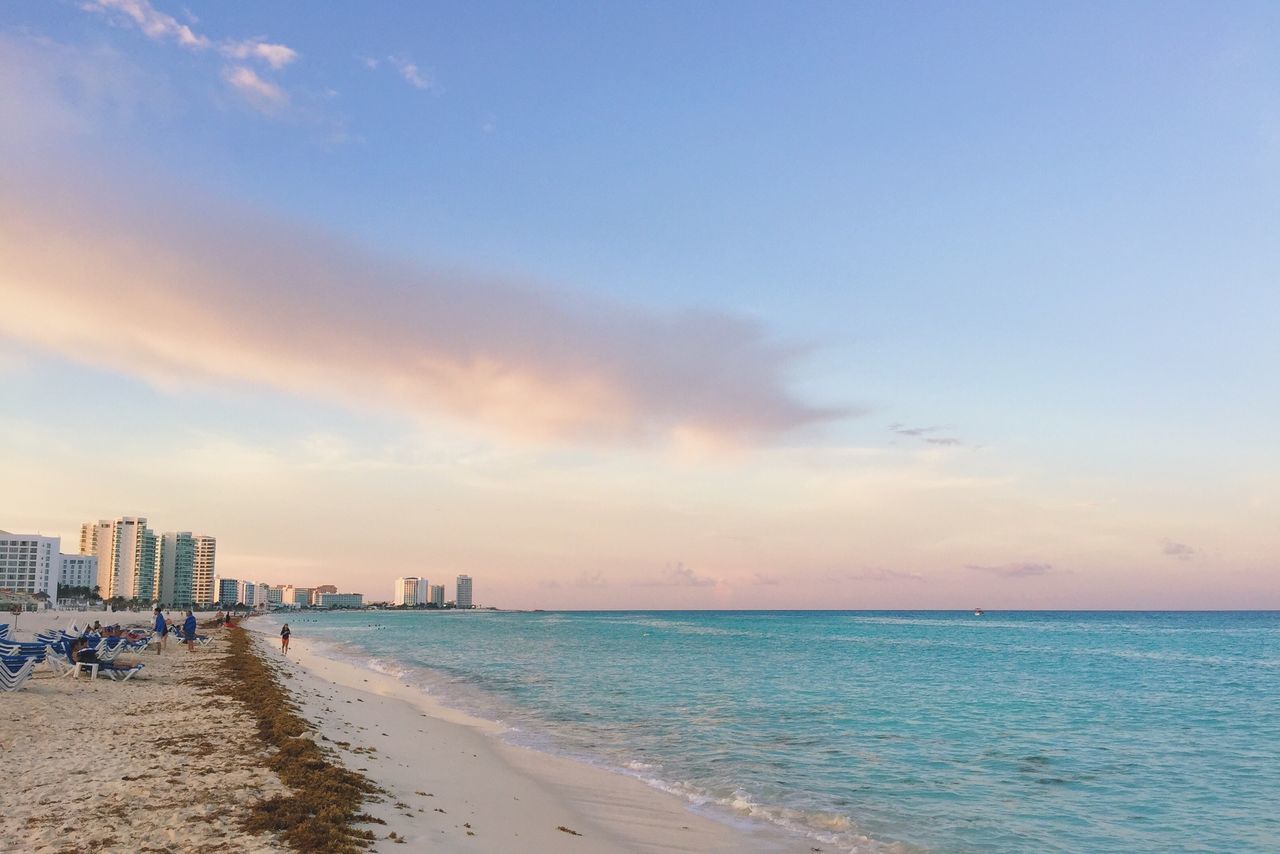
1044 233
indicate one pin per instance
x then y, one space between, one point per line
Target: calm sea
1028 731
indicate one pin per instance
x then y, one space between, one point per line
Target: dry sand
158 763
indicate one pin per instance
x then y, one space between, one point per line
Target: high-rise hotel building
202 569
463 599
126 552
30 563
177 568
411 591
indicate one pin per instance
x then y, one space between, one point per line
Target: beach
170 762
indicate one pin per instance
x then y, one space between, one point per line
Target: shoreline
450 781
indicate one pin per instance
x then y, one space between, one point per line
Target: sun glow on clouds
178 291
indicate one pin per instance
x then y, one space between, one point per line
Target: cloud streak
181 291
411 73
1014 570
154 24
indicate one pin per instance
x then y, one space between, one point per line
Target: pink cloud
178 292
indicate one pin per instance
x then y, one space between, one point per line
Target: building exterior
78 571
463 597
127 555
226 591
275 596
437 595
326 588
246 593
202 569
97 539
177 568
29 563
410 591
303 597
341 600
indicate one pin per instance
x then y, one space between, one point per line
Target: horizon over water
884 730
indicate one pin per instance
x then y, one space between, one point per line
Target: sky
654 305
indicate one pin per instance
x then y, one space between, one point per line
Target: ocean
884 731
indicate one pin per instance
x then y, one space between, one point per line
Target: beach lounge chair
58 662
14 670
123 674
6 631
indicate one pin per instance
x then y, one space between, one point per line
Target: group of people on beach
163 627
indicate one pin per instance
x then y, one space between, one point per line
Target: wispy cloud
261 94
925 435
233 297
1014 570
410 72
677 576
885 575
1180 551
275 55
153 23
266 96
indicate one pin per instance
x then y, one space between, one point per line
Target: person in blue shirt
189 631
162 631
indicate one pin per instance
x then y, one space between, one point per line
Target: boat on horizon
978 612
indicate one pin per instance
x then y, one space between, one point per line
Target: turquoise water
865 730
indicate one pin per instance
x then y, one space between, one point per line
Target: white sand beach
165 762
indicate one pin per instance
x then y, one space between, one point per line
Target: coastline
450 782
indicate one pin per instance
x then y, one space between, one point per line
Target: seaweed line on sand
325 801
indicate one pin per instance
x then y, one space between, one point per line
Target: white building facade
463 597
29 563
341 600
78 571
203 570
437 595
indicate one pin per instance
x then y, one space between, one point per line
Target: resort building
275 596
437 595
325 588
302 597
29 563
177 568
202 571
463 598
226 591
341 600
410 591
78 571
126 552
246 593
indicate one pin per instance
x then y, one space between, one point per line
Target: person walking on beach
189 631
162 629
284 638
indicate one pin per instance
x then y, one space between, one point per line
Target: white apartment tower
411 591
202 570
423 594
463 599
437 595
127 555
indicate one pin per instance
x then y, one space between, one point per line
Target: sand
163 763
158 763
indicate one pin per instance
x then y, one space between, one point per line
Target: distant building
437 595
303 597
405 591
78 571
411 591
463 599
203 570
275 596
245 595
126 551
226 591
177 567
326 588
341 600
29 563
